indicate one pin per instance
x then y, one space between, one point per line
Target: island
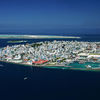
36 37
54 54
22 41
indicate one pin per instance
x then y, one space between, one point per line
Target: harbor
88 66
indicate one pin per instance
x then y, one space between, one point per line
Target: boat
25 78
88 66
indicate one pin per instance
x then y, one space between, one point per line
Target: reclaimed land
56 67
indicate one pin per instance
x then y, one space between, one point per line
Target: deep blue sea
45 83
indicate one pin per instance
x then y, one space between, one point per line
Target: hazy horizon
50 16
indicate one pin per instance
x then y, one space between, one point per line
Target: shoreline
55 67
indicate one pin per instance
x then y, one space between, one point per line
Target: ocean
18 82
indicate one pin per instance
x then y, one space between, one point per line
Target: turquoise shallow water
56 67
78 65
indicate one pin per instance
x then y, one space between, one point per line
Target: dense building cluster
55 52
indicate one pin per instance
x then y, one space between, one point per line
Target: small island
55 54
16 41
37 37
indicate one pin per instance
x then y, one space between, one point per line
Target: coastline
56 67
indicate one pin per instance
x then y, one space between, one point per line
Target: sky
49 16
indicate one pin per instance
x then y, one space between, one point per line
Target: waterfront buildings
55 52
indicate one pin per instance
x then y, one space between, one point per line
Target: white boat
88 66
25 78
